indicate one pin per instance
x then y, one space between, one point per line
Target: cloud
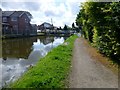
12 5
32 6
49 13
75 7
43 1
61 11
54 10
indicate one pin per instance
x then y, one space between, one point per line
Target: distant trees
59 28
100 22
73 26
76 29
65 27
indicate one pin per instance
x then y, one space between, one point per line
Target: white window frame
4 19
14 19
26 20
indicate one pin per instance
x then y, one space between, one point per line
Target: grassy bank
51 71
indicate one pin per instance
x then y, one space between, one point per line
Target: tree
100 24
73 26
65 27
60 28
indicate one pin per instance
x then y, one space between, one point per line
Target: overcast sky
61 11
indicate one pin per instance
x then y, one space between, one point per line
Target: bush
101 26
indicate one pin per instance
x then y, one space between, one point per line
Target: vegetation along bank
51 71
100 23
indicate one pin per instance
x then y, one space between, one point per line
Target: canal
20 54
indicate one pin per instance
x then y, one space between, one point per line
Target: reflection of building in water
19 48
47 40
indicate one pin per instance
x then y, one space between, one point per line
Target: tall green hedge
100 22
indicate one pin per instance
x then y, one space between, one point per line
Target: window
6 28
4 19
26 20
14 19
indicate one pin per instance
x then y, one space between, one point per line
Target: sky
60 11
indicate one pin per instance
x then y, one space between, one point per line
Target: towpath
87 72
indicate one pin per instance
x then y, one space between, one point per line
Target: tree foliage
73 25
65 27
100 22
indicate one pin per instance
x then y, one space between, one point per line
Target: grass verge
51 71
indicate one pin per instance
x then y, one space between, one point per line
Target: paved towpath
86 72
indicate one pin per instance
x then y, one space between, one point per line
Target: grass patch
50 71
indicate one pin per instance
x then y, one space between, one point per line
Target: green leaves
100 23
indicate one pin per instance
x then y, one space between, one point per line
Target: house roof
7 13
33 25
15 13
46 23
18 13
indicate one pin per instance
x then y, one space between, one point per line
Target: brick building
17 23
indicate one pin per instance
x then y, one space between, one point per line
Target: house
16 23
55 28
45 26
33 29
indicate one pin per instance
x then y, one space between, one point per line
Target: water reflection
20 54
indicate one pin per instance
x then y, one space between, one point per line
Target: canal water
19 54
